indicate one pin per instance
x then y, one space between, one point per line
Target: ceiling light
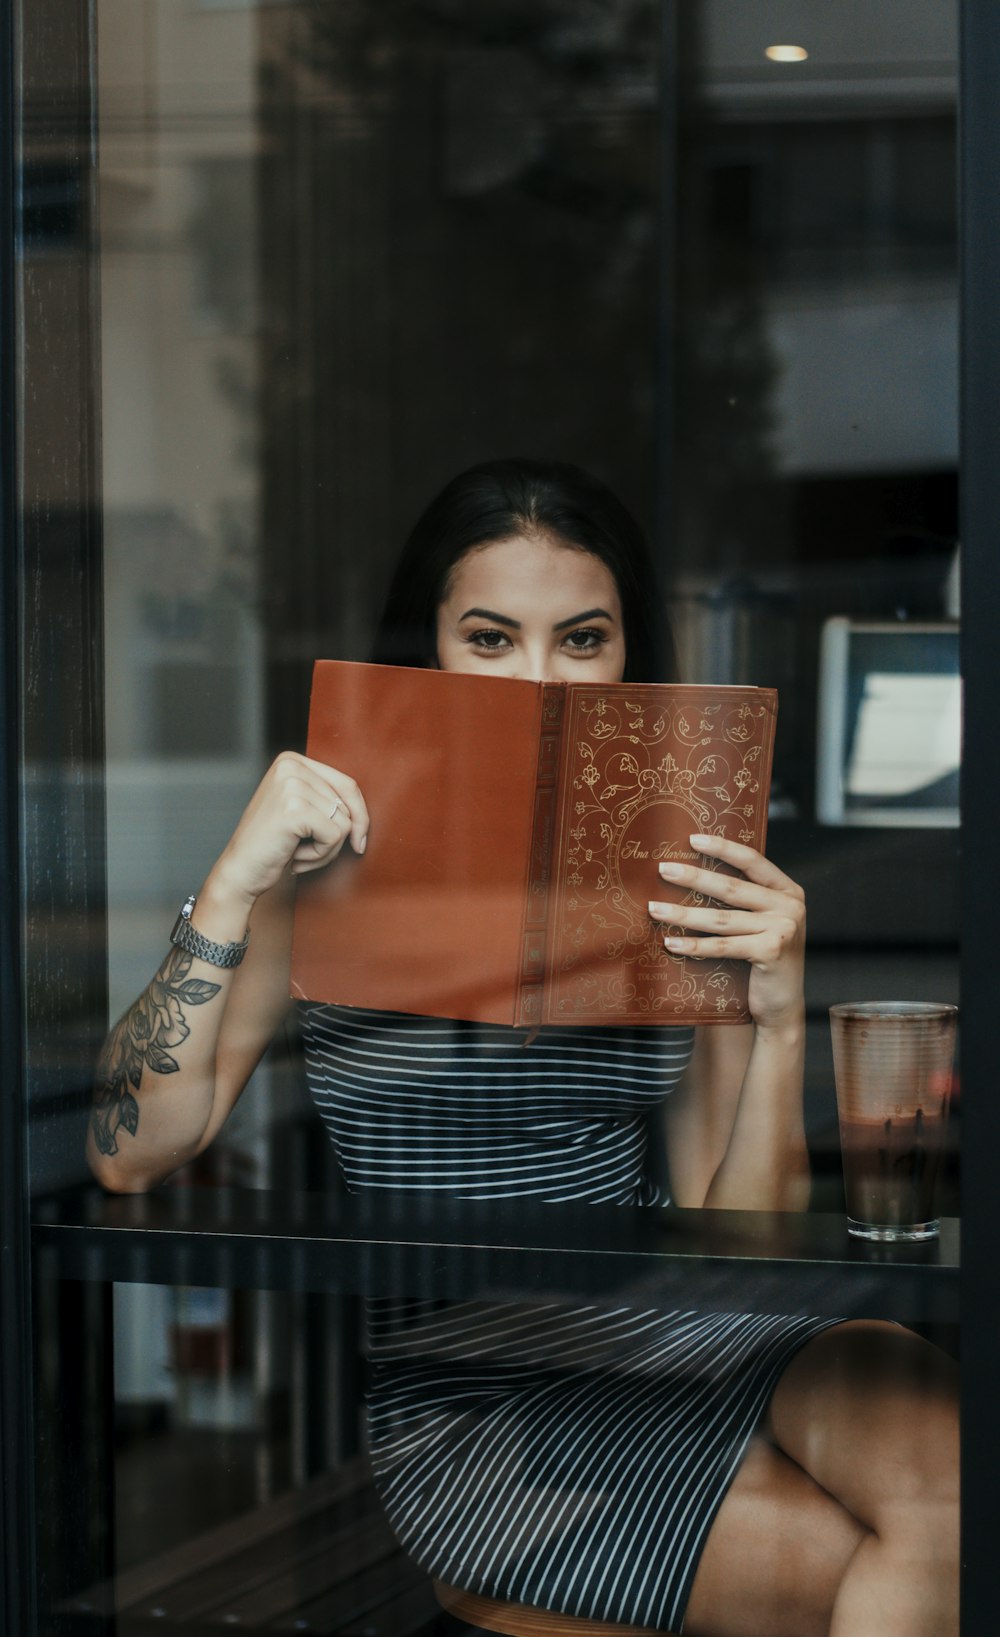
786 53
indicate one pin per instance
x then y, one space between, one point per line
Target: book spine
535 939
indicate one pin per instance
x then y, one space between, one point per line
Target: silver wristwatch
185 937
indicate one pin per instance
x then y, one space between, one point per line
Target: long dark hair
503 498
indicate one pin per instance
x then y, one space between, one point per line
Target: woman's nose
536 668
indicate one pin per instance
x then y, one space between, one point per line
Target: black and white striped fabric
568 1457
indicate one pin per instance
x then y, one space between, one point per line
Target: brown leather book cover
515 832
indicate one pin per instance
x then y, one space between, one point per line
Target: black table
419 1246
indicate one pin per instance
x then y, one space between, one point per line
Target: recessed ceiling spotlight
786 53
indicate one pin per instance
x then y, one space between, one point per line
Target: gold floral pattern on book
646 777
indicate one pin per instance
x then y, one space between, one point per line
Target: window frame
980 507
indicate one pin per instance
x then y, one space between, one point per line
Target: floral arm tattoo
141 1038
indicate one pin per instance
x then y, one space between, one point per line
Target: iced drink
893 1066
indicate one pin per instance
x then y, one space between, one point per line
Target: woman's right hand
300 816
210 1031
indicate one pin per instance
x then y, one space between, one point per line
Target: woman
735 1475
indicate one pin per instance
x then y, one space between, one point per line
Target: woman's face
533 609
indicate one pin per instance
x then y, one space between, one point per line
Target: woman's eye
587 639
492 641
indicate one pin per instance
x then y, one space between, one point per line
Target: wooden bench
319 1559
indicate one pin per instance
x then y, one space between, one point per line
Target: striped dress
570 1457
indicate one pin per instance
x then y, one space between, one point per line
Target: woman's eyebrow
488 614
588 614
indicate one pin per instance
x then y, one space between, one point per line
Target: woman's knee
775 1556
870 1410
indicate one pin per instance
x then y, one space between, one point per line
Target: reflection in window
344 252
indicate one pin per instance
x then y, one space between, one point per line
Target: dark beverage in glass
893 1063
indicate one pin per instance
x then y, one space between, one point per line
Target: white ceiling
860 51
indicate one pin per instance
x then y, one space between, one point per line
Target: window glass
327 257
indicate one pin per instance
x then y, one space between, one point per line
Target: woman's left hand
758 916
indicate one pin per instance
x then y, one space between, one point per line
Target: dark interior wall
460 261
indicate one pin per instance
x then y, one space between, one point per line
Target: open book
516 829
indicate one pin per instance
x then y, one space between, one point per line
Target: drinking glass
893 1067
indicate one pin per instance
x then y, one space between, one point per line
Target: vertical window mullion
17 1576
980 512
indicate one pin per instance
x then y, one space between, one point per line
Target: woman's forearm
155 1081
157 1090
766 1163
155 1084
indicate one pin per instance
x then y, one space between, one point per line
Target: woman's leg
776 1555
844 1523
870 1412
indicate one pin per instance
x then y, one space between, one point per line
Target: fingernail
676 944
701 841
671 871
661 909
362 844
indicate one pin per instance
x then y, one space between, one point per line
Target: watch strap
186 937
